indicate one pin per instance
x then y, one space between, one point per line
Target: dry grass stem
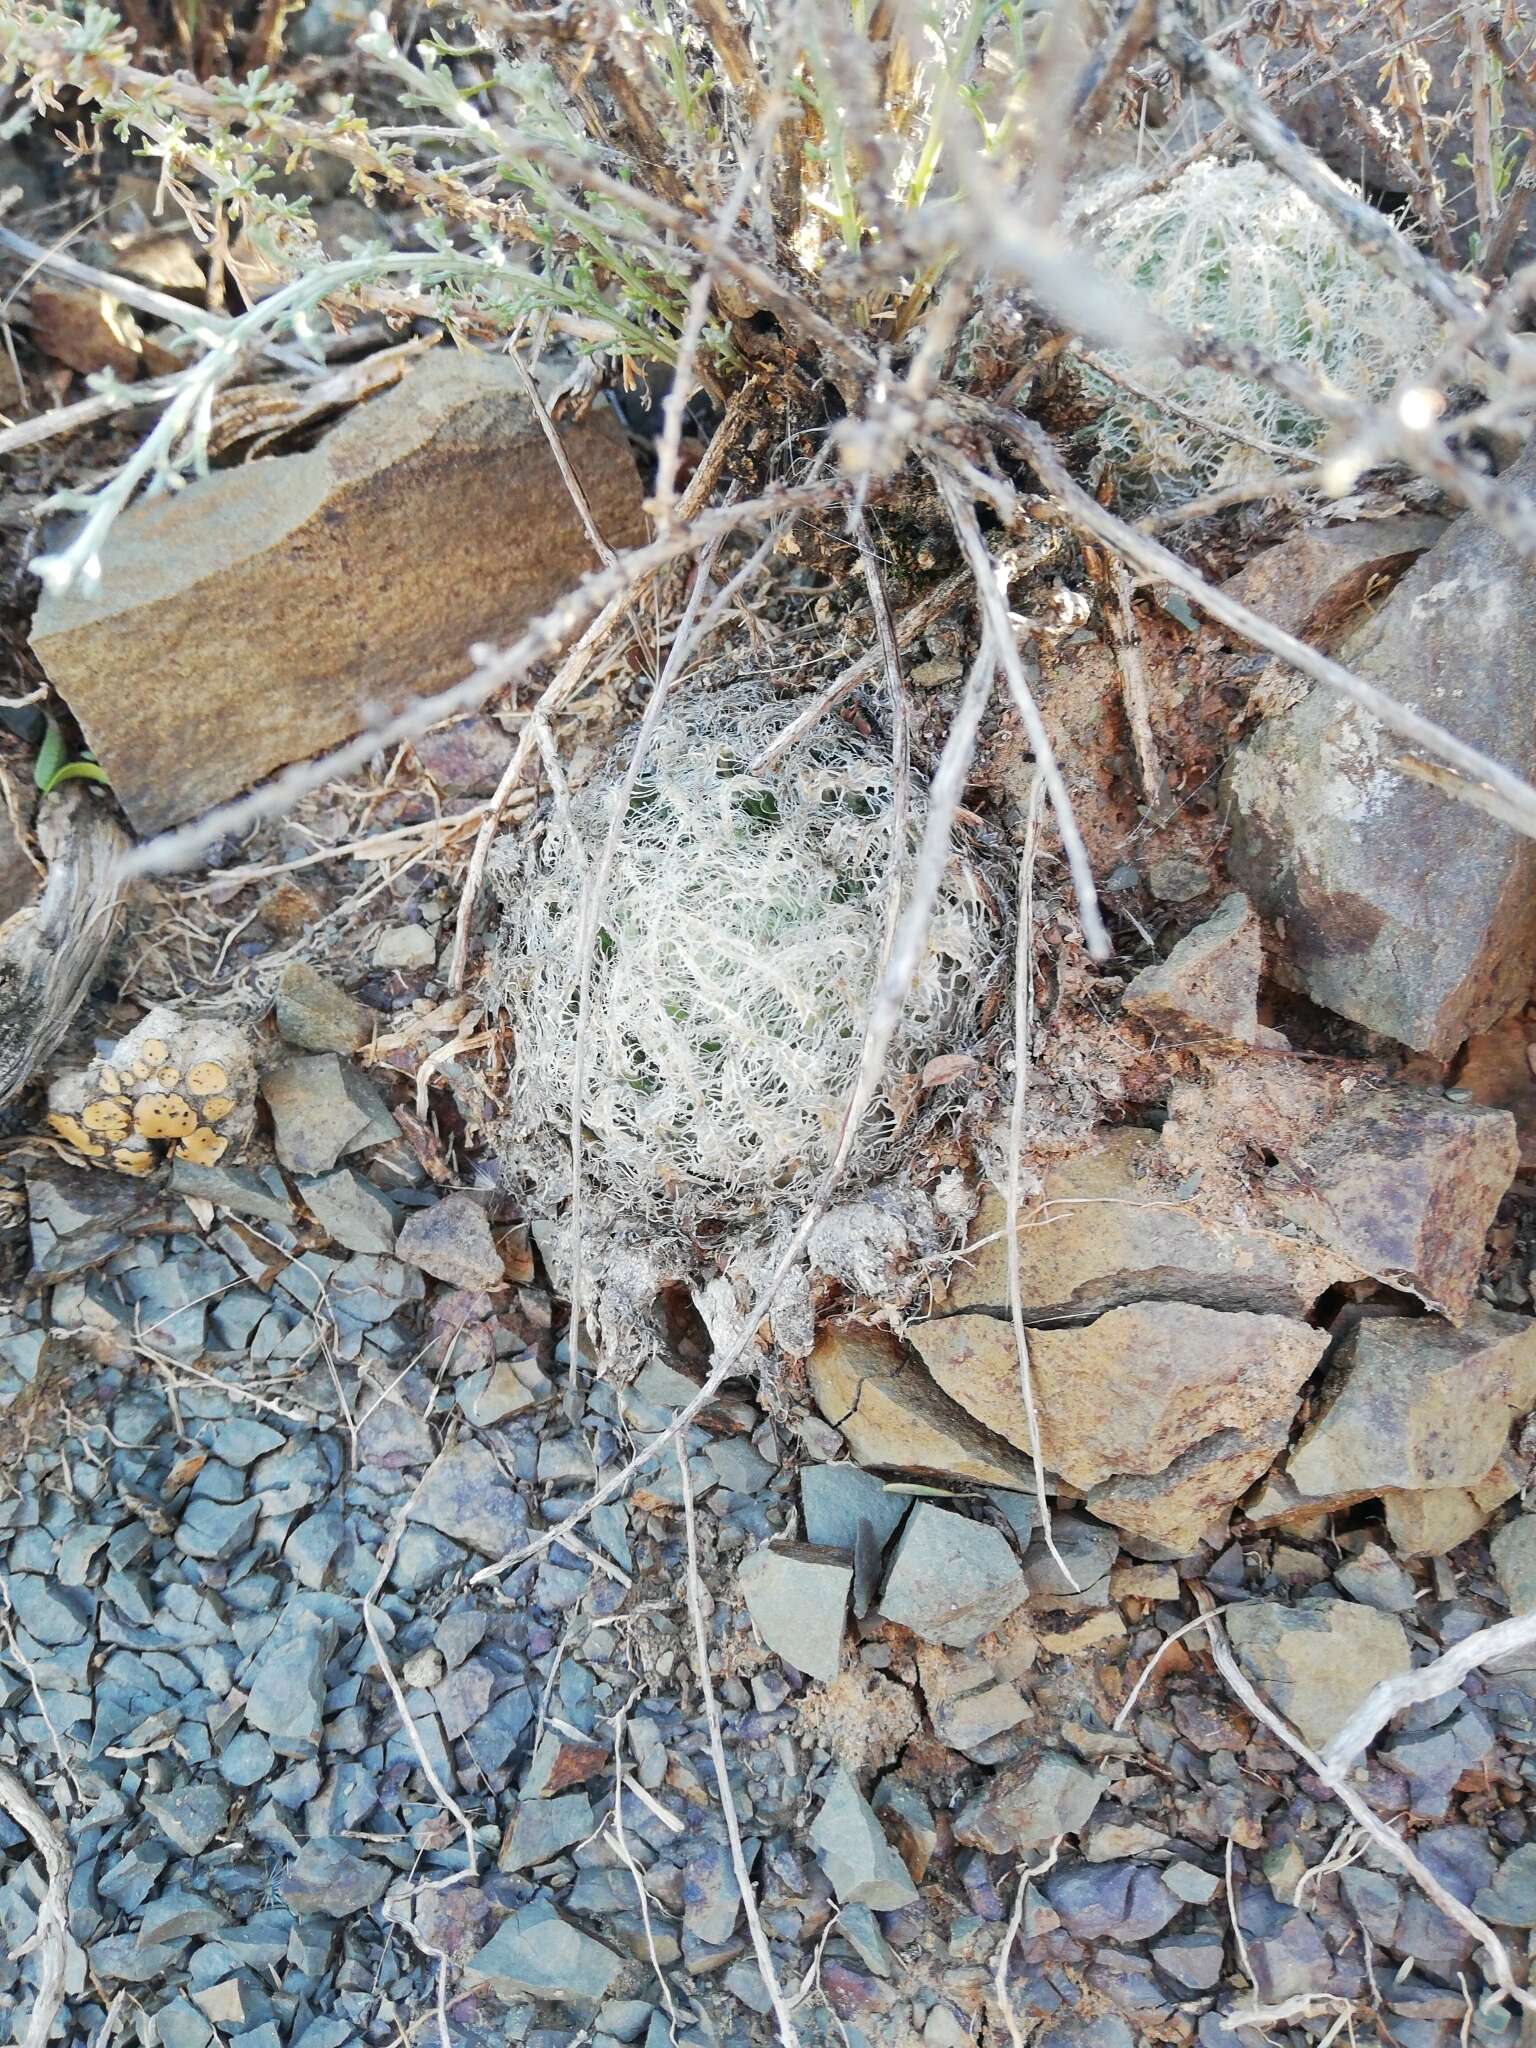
695 1589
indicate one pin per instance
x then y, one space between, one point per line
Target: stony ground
339 1743
319 1772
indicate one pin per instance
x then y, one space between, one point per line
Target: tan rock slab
1405 1184
1107 1228
894 1418
1415 1404
1129 1392
1317 1661
1208 987
1174 1508
1430 1524
268 611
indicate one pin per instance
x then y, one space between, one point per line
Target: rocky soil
317 1724
327 1768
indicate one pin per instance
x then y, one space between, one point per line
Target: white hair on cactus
1237 248
738 945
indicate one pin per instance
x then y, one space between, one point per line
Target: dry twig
53 1914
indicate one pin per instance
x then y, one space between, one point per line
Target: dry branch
1385 1838
1157 561
1429 1682
51 951
53 1914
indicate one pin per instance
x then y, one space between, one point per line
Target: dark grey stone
1110 1901
544 1827
862 1867
834 1499
351 1211
333 1879
191 1817
468 1497
537 1954
452 1241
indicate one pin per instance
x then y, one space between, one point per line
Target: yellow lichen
164 1116
107 1117
203 1147
74 1132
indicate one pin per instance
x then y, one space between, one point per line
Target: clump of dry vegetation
945 281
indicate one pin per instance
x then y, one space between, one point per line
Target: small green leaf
79 771
54 765
51 757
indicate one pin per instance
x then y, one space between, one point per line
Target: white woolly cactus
1237 248
739 940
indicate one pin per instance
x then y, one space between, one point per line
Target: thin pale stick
760 1948
1023 1028
994 609
1155 560
1429 1682
53 1913
1385 1838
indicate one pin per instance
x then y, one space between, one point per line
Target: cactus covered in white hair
732 962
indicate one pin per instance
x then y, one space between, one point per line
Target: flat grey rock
324 1108
192 1817
1110 1901
834 1499
53 1614
287 1684
334 1879
351 1211
452 1241
316 1015
1514 1559
1317 1661
1404 910
862 1867
535 1953
951 1580
544 1827
797 1596
240 1188
468 1497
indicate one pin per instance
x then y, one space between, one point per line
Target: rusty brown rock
1313 583
269 611
893 1416
1108 1228
1400 908
1128 1394
1208 987
84 329
1416 1404
1176 1507
1405 1185
1496 1070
